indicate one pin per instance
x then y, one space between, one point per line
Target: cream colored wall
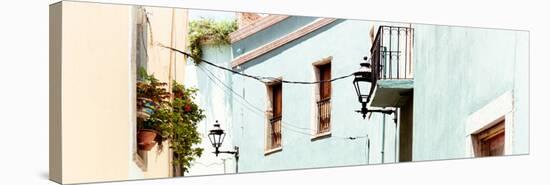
97 48
95 90
169 28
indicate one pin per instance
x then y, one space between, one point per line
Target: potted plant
154 130
175 120
152 110
150 94
146 139
145 107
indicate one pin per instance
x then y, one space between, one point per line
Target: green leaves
175 117
208 30
151 89
184 131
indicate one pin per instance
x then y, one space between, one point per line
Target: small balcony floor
392 93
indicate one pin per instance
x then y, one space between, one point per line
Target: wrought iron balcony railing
391 53
324 115
276 131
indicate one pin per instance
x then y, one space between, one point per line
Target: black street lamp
364 87
216 137
364 83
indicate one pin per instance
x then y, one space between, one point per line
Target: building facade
95 51
311 45
453 92
215 98
466 79
457 92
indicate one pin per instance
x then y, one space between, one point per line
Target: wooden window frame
479 139
493 113
315 123
269 148
324 97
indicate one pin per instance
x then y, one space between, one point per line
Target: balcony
391 58
324 116
275 132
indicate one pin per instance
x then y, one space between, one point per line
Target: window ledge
273 150
319 136
140 162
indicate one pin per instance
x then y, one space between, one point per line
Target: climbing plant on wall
183 131
208 30
173 117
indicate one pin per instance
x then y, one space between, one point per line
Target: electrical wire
286 125
262 79
260 112
204 69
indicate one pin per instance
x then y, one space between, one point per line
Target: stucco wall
93 88
95 91
216 100
458 70
270 34
168 28
347 42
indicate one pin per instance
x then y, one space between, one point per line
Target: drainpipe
395 139
368 150
236 159
383 135
223 165
395 145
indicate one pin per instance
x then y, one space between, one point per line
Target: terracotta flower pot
146 139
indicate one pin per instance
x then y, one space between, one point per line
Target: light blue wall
209 87
347 42
270 34
458 70
216 101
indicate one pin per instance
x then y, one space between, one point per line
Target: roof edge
259 25
281 41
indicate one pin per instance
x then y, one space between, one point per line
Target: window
323 104
488 130
321 99
139 62
141 42
140 157
490 142
273 134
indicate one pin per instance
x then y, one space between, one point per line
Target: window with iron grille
275 120
323 104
